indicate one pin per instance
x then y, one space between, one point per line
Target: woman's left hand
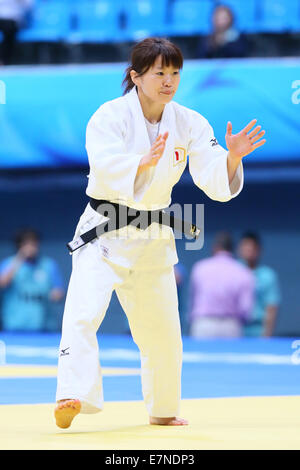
243 143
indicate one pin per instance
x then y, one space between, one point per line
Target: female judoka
137 147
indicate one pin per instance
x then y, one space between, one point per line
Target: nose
168 79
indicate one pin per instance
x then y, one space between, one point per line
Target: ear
134 77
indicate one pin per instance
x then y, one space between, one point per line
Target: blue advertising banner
44 110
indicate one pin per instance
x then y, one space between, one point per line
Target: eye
161 73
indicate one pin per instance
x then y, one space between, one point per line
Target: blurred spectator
222 292
12 17
267 294
29 281
225 40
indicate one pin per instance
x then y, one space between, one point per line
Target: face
222 19
249 250
159 84
29 248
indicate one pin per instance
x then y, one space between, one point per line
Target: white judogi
139 267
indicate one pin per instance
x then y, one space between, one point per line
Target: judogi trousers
149 299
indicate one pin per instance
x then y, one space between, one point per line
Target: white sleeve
113 168
208 163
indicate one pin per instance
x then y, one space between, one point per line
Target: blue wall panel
47 109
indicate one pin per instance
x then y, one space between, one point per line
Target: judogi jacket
116 140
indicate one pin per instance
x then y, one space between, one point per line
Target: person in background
225 40
267 293
29 282
221 293
12 18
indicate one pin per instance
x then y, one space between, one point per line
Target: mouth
166 92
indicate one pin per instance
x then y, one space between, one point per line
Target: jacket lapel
167 125
142 142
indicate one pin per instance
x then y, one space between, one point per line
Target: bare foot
65 411
168 421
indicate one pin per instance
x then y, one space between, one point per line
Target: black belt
121 216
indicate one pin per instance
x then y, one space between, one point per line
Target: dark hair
26 234
252 236
144 54
223 241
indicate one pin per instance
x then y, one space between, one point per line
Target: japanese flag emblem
178 155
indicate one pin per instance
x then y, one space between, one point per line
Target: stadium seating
279 16
50 21
118 20
144 18
190 17
96 21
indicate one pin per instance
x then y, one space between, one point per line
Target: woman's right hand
156 152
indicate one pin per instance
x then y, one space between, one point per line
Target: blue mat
223 368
